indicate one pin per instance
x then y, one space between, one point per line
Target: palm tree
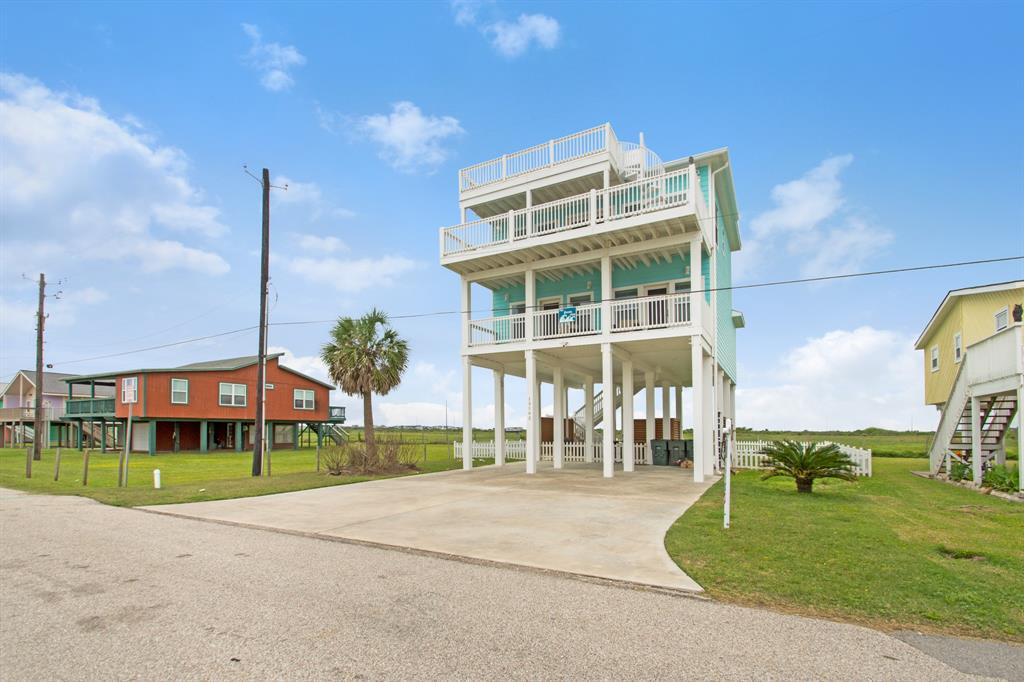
806 462
363 357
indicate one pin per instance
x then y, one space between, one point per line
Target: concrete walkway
570 520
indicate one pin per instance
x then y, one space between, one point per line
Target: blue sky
863 136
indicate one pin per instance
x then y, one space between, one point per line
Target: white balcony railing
669 190
550 153
627 315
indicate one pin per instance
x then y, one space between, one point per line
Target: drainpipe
714 307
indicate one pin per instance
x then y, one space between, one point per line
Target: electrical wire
439 313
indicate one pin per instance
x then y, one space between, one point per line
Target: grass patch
894 551
186 476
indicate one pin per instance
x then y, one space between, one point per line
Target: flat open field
894 551
186 476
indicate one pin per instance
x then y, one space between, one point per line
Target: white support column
531 302
532 413
976 440
732 403
666 412
467 412
696 282
606 294
697 370
558 447
529 214
608 395
649 407
1020 427
679 409
627 416
499 417
709 417
467 307
588 420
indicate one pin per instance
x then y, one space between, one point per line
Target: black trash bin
679 451
659 452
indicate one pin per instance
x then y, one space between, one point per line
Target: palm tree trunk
804 485
371 446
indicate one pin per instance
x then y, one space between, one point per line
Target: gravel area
95 592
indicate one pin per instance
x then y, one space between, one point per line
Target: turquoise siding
726 330
577 284
702 180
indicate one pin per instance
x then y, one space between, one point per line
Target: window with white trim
958 347
935 358
129 390
1003 319
179 391
232 395
303 399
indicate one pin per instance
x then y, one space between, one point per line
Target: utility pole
261 364
37 444
259 444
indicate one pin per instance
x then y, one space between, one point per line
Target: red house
205 405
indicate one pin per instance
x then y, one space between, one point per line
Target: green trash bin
659 452
679 451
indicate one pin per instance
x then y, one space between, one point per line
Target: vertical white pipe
627 416
558 434
532 413
467 412
588 420
608 394
697 370
499 417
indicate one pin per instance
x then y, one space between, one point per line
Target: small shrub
1001 477
392 455
334 459
960 471
806 462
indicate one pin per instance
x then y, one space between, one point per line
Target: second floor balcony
658 197
89 407
667 311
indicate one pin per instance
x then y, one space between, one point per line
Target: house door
657 310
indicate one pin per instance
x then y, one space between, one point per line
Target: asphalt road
95 592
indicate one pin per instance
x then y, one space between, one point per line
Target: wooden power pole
37 438
261 379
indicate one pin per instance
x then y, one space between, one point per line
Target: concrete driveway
570 520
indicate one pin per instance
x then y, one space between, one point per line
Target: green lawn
893 551
882 443
186 476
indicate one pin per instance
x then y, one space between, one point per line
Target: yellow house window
958 347
935 358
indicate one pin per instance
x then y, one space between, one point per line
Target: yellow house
973 371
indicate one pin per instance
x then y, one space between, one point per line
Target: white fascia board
948 300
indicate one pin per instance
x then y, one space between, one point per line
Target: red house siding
204 396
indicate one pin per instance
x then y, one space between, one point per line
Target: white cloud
810 223
273 60
318 244
350 275
465 11
510 39
513 39
408 139
80 185
307 195
844 379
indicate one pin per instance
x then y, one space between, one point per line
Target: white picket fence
515 450
748 455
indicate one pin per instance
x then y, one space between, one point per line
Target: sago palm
805 462
363 357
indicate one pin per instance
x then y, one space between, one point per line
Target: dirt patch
951 553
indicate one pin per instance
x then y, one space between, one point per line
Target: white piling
156 479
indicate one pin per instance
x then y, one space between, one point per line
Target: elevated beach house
602 264
18 412
205 405
973 373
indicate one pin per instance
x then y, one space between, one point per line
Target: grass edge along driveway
894 551
186 476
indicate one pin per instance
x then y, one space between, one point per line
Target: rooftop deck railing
669 190
26 414
550 153
626 315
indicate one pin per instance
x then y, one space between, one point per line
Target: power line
439 313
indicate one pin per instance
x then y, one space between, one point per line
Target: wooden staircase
997 413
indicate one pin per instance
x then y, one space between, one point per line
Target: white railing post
511 224
504 166
593 206
551 152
